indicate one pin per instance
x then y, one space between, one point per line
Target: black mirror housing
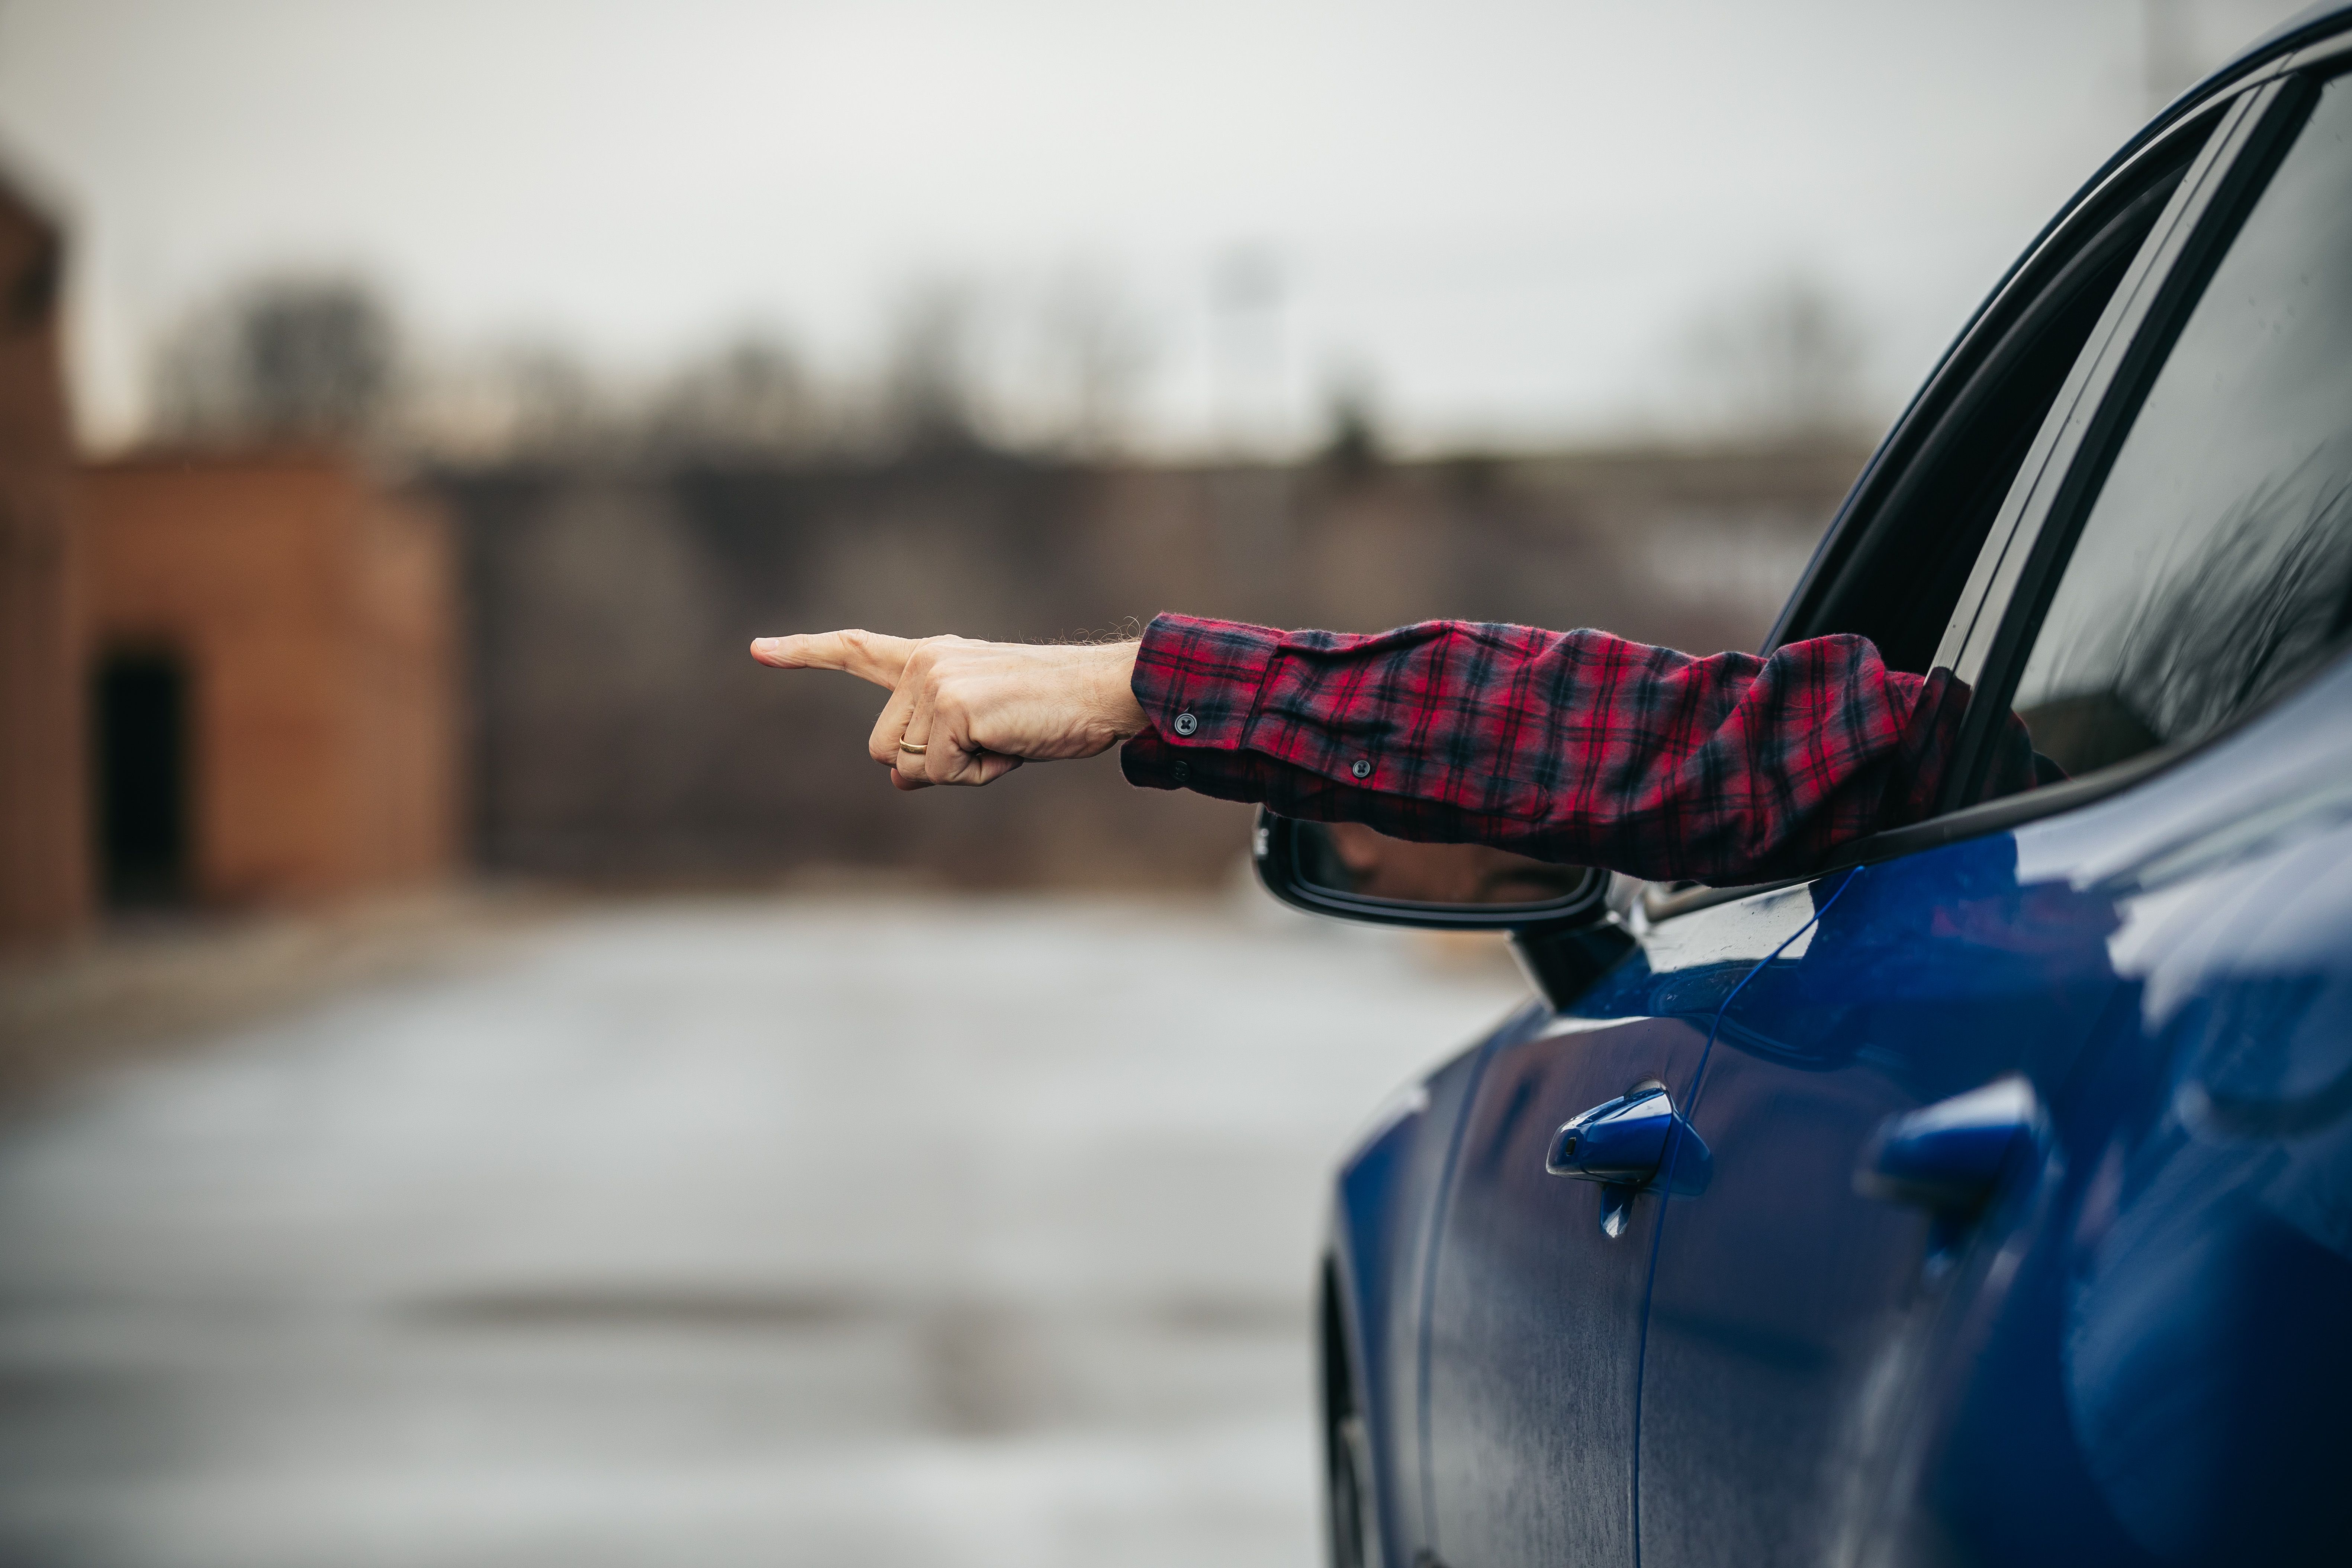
1564 942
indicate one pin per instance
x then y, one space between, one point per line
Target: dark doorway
143 778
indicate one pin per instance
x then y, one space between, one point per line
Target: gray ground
749 1232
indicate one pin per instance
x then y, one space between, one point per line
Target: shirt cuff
1150 762
1199 680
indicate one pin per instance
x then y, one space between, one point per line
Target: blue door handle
1625 1144
1622 1142
1950 1157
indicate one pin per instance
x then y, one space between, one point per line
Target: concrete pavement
737 1232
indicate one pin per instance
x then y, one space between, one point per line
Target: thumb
869 656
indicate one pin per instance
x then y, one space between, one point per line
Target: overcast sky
1502 216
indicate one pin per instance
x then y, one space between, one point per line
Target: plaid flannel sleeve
1576 747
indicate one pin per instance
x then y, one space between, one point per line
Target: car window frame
1870 519
2268 111
2052 462
2240 133
1991 652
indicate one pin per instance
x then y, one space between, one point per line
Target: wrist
1115 694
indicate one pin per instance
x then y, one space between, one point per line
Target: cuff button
1362 770
1186 723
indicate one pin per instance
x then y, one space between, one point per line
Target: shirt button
1186 723
1182 772
1362 770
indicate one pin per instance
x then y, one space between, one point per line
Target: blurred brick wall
45 889
312 607
621 732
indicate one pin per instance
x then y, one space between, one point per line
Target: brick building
225 677
273 696
45 892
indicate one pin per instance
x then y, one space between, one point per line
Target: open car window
1895 566
1900 558
2213 565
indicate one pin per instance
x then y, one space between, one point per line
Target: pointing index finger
869 656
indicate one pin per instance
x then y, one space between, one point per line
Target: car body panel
2146 1360
1387 1195
1481 1380
1781 1295
1532 1410
1913 1406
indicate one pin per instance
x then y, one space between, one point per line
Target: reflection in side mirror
1352 861
1557 916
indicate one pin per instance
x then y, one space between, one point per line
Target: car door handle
1625 1144
1949 1157
1622 1142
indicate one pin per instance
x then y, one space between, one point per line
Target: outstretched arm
1577 747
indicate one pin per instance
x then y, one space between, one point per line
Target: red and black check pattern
1576 747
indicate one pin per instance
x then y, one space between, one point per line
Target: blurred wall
310 608
45 892
621 731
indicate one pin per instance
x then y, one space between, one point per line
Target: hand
976 711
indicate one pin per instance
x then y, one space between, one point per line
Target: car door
1532 1345
2173 557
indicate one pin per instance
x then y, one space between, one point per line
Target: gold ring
918 750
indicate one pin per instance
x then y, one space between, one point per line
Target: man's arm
1577 747
1570 746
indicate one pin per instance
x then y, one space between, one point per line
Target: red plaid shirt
1576 747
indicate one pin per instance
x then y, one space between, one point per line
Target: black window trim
2275 112
1665 900
1914 439
2245 127
2060 439
2113 229
2028 576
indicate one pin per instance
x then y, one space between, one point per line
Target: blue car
1986 1196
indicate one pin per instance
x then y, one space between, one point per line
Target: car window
1897 566
2215 564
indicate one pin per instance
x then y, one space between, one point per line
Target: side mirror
1557 916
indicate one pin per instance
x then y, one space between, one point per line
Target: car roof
2330 16
2296 26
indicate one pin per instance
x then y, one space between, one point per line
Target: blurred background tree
1353 443
283 358
749 397
930 400
1092 352
1782 363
